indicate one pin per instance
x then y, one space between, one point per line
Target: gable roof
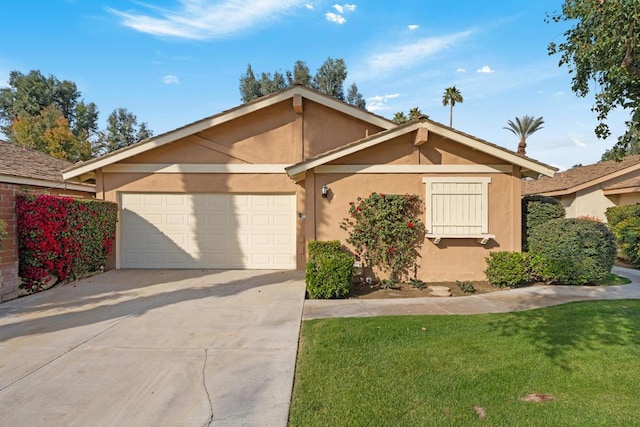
530 167
223 117
21 165
581 177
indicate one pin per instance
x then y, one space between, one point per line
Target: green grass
613 280
432 370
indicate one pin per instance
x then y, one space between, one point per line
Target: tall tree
300 75
414 114
451 97
49 132
249 86
330 77
602 53
523 128
400 118
122 130
354 97
28 94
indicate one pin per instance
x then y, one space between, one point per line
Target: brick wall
9 280
9 252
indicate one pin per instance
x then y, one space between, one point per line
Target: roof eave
225 116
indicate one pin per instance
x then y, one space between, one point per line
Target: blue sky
173 62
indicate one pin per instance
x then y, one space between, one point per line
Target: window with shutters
457 207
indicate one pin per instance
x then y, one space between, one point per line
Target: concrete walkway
495 302
153 348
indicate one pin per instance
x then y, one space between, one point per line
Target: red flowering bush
63 237
385 231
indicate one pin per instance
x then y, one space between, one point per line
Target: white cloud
378 102
340 8
578 142
485 70
171 79
309 6
460 70
413 27
332 17
206 19
407 55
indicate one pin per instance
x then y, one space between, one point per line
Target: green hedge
537 210
63 237
627 233
508 269
329 270
617 214
572 251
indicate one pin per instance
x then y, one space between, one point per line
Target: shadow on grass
558 332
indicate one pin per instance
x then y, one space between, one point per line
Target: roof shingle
17 160
578 176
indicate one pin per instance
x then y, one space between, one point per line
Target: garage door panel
208 231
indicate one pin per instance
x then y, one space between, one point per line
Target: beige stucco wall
626 198
275 135
589 202
278 135
452 259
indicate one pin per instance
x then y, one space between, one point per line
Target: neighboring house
590 190
244 188
29 171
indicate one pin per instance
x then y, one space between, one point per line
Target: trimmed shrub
63 237
617 214
385 230
508 269
329 270
319 247
627 233
572 251
537 210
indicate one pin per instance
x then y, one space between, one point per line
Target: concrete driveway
153 348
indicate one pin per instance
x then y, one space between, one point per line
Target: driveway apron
153 347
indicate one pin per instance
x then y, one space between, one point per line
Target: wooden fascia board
625 190
493 151
366 143
19 180
188 168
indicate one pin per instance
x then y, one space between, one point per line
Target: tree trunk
522 147
451 115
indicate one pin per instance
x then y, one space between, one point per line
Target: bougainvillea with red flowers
62 237
385 231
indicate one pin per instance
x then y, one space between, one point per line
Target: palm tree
450 97
523 128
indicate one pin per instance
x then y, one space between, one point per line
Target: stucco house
590 190
23 170
247 188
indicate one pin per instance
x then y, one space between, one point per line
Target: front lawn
433 370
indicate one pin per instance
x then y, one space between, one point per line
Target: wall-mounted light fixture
325 191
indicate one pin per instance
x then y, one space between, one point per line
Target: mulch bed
365 291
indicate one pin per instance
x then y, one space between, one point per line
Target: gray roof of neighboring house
20 161
579 177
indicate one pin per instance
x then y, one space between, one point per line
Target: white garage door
249 231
